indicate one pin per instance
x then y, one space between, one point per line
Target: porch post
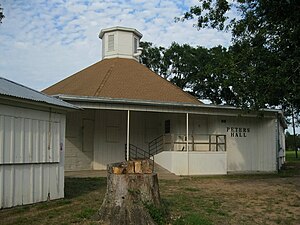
127 138
187 132
187 143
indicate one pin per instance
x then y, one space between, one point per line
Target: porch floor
162 173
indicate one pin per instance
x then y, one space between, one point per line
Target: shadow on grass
75 187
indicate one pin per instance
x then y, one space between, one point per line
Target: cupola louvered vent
111 43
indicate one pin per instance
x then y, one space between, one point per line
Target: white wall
110 137
32 144
123 44
144 127
79 140
95 138
193 163
254 150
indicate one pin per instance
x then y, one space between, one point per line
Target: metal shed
32 144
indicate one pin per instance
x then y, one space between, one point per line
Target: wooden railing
196 142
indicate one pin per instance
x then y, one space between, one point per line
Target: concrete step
159 169
164 174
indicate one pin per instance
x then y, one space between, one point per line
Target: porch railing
196 142
137 153
156 145
177 142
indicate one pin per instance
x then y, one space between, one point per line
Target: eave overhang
95 102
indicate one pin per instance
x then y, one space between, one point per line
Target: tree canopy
259 69
289 141
202 72
1 14
265 46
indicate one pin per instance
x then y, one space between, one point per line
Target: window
111 44
167 126
135 45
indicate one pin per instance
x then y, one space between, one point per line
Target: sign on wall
238 131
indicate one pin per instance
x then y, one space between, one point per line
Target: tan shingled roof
121 78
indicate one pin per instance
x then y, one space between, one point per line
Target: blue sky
43 42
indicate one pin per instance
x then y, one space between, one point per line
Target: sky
43 42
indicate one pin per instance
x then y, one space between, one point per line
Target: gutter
149 102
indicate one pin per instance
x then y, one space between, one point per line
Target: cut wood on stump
130 185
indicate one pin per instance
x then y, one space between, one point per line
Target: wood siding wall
80 140
253 150
256 151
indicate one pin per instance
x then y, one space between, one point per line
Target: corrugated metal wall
31 155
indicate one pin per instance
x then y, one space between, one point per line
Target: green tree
289 141
183 62
214 82
264 50
152 57
202 72
1 14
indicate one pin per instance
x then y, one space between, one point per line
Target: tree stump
130 185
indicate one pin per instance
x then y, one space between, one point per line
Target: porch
95 138
185 154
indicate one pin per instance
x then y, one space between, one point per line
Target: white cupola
120 42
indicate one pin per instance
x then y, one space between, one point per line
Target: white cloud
43 41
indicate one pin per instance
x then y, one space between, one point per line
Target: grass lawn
291 156
232 199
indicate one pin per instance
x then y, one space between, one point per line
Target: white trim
187 142
149 102
127 137
118 28
172 109
187 132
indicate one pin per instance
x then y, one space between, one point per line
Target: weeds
86 213
193 219
158 214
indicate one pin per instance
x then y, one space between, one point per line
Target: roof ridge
102 84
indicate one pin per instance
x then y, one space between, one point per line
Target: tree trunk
130 185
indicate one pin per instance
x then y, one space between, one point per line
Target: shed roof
12 89
121 78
